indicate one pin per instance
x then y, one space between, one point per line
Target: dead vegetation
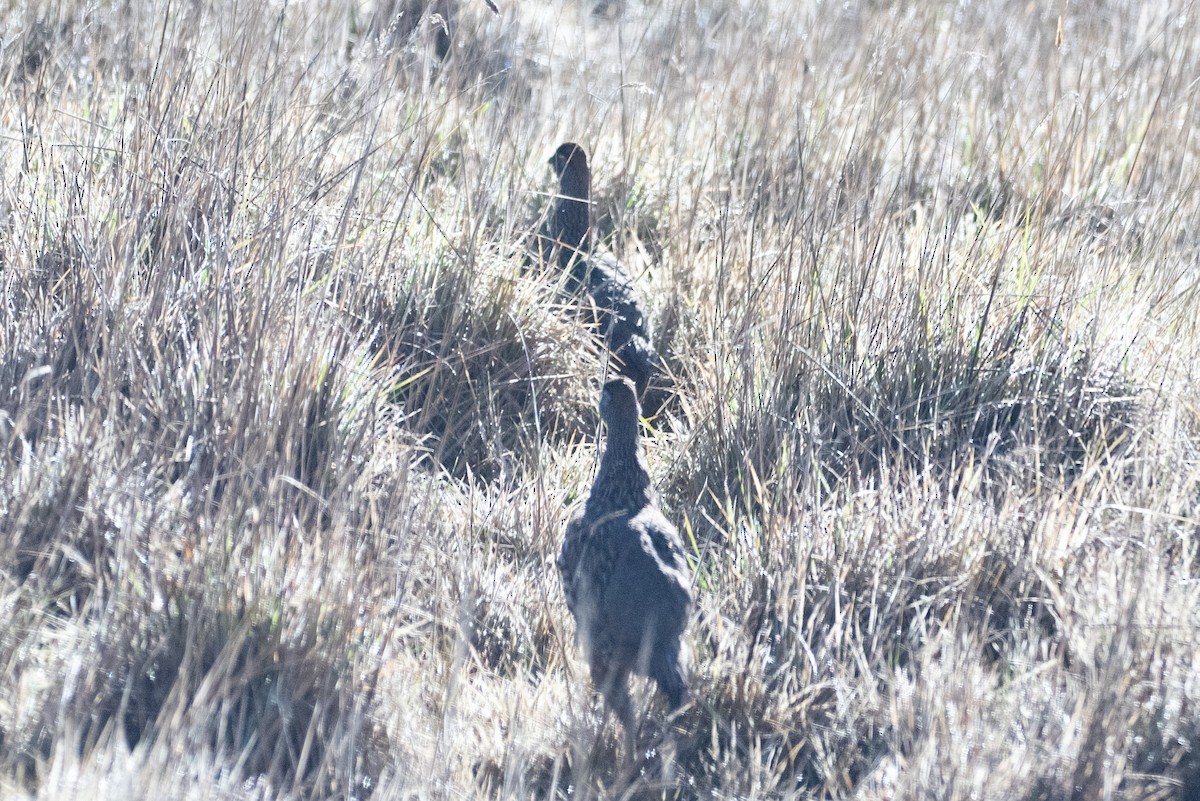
288 435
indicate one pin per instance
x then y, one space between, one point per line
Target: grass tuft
288 435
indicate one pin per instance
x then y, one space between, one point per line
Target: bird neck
623 471
571 215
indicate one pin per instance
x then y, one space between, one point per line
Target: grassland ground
289 432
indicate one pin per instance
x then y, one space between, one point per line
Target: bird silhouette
619 310
622 564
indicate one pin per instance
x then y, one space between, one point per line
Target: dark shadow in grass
811 753
484 373
942 405
216 672
1021 403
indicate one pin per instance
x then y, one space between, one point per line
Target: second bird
620 312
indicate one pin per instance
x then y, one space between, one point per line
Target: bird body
623 568
619 310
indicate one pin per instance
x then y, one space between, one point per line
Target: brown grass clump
287 438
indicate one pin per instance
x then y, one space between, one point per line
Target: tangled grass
288 431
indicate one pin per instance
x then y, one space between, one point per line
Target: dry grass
288 435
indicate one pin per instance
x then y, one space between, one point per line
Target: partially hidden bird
624 571
620 312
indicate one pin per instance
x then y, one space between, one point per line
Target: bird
619 310
624 572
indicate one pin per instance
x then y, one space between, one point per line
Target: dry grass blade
288 439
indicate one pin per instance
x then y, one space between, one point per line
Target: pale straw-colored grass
288 432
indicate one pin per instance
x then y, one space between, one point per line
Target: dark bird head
572 214
619 404
569 159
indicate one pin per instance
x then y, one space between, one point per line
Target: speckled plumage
620 312
622 564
